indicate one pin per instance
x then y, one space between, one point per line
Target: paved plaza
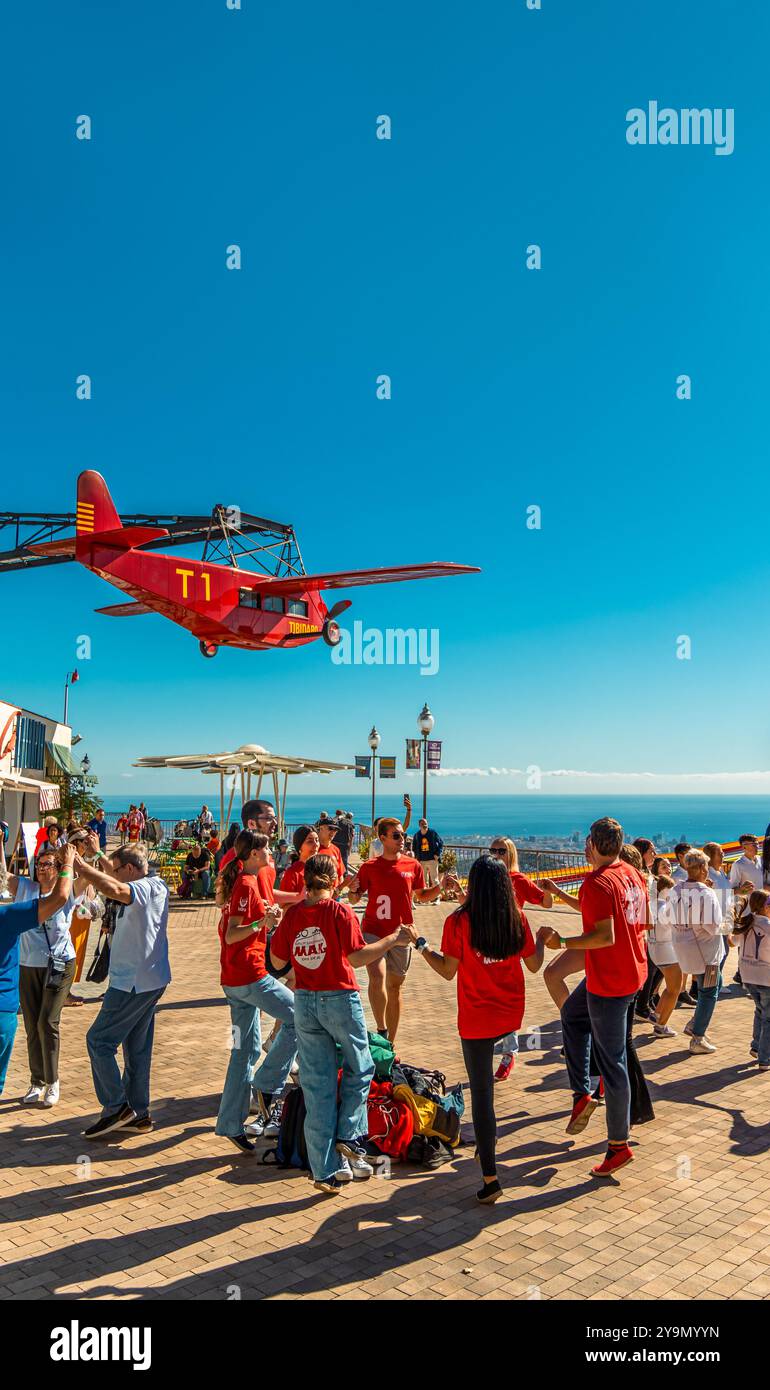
181 1215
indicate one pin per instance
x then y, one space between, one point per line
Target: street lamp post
374 743
425 722
85 765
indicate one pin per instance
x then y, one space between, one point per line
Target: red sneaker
506 1066
582 1111
612 1161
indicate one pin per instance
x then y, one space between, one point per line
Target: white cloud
596 776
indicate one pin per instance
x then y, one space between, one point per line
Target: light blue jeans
126 1019
7 1035
323 1020
704 1009
244 1073
761 1034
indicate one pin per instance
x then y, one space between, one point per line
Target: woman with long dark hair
483 944
250 989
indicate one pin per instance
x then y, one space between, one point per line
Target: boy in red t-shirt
614 905
391 881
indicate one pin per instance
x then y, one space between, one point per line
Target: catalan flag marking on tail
84 516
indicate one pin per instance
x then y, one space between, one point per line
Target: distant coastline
538 821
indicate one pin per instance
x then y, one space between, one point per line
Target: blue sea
536 817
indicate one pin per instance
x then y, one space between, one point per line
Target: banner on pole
413 754
434 754
387 767
363 767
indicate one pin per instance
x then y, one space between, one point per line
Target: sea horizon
533 816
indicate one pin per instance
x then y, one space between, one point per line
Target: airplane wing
348 579
125 610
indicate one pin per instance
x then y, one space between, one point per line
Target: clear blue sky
406 257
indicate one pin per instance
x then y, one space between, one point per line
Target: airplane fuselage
217 603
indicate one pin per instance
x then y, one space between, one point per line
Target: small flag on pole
434 755
413 754
74 677
363 765
387 767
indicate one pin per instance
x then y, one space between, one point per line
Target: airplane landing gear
208 649
331 633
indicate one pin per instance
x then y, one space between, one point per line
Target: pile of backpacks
413 1118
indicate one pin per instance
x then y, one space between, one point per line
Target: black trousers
479 1064
42 1008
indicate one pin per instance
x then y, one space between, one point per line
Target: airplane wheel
208 649
331 633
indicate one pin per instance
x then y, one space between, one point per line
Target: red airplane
222 605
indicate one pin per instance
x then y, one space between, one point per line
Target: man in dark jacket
343 836
427 846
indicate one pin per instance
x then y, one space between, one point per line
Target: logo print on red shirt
309 949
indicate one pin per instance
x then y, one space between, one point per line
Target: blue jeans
760 1037
707 999
592 1016
323 1020
7 1035
126 1019
243 1070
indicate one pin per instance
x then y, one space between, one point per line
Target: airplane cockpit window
272 604
248 598
297 607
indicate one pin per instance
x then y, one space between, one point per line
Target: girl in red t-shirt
306 843
250 988
525 890
322 939
483 944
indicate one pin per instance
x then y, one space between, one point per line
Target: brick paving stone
178 1215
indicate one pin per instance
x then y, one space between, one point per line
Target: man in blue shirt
99 826
139 974
16 918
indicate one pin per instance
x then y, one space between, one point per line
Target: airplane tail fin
95 508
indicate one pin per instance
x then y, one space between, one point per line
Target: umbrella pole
232 798
221 805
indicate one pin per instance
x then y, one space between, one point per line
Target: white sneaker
33 1095
344 1173
701 1045
662 1030
255 1130
50 1095
356 1157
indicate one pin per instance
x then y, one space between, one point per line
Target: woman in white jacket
660 943
697 932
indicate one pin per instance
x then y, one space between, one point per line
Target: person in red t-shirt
391 881
306 842
484 944
525 891
326 829
615 908
249 988
323 941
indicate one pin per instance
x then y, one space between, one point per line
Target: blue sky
510 387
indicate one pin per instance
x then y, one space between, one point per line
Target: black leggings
478 1054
